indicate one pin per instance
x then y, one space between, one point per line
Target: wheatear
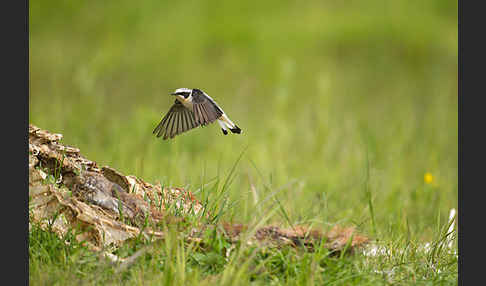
193 108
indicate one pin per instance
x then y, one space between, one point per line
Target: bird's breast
187 102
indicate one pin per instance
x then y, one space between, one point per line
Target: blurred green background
337 100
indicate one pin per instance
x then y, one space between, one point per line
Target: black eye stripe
185 94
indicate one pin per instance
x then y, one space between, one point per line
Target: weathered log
111 207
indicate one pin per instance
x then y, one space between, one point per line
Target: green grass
174 262
344 107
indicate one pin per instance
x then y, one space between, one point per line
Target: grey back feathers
205 109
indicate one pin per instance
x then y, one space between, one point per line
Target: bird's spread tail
236 129
226 124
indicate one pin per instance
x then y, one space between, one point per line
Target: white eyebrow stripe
179 90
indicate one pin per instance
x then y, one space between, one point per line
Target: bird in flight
192 108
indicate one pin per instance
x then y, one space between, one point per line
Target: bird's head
182 93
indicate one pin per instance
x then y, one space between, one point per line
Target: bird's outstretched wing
205 109
178 120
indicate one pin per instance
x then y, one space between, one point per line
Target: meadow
348 110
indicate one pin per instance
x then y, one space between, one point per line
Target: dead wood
109 208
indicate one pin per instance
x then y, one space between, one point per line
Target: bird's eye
186 94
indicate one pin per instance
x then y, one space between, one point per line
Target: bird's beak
173 93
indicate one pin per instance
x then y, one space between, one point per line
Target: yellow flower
428 178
